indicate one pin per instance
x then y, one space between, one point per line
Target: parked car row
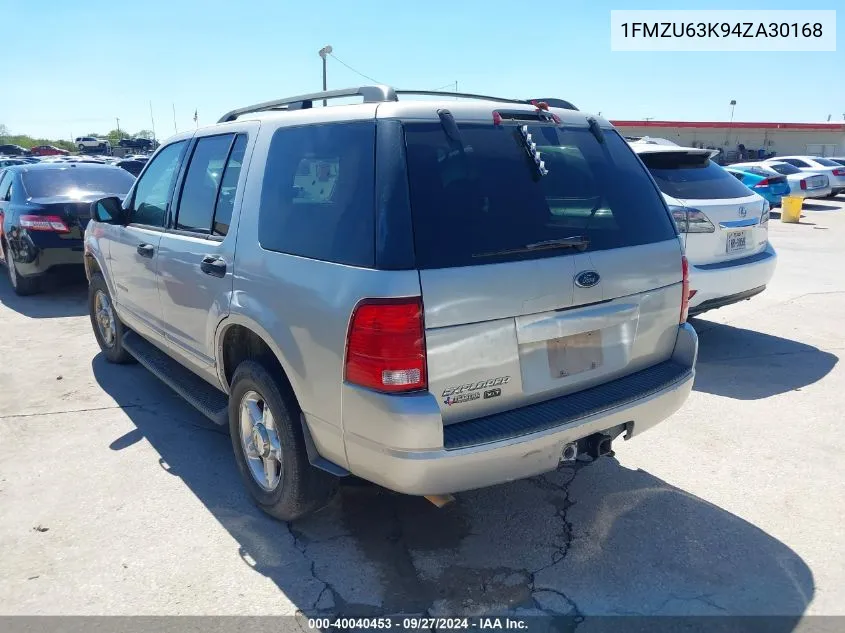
433 295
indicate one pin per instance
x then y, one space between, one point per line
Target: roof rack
374 94
371 94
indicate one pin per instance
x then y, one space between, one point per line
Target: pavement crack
31 415
562 550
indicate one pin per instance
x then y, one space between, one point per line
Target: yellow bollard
790 209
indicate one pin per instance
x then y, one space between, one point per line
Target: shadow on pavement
820 206
748 365
64 294
602 540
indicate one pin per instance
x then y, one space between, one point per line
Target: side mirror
108 210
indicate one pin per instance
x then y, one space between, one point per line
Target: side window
153 190
202 182
229 186
796 162
317 196
5 185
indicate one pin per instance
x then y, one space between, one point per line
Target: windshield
480 199
47 183
826 162
785 168
692 176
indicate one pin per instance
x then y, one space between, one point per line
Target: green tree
115 135
145 134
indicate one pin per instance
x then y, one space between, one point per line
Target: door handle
146 250
213 265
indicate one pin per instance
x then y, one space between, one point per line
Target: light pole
118 125
323 52
730 125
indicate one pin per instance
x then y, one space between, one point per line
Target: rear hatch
692 183
536 284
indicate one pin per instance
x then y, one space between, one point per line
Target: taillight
685 293
44 223
803 184
691 220
839 172
385 348
762 183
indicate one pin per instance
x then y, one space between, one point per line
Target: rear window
826 162
481 200
317 196
785 168
692 177
46 183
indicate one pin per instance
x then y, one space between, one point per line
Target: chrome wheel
104 316
260 441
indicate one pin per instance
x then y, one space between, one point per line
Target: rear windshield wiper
578 242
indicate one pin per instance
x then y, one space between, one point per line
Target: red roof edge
741 125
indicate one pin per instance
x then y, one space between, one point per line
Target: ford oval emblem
587 279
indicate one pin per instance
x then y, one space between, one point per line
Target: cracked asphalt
116 498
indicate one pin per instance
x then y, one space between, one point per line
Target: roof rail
374 94
371 94
462 95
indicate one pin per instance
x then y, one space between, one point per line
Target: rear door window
228 187
692 176
826 162
481 200
317 196
202 181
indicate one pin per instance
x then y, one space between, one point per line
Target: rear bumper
520 443
821 192
723 283
47 258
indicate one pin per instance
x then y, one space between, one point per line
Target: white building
780 139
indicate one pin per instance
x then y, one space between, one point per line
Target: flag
196 117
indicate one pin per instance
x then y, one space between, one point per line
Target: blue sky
81 64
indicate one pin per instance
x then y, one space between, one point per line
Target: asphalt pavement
117 498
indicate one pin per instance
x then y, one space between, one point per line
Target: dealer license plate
737 241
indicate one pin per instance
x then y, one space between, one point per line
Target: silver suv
432 294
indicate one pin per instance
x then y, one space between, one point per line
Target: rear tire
108 328
299 487
22 286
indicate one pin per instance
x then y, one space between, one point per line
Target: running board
211 402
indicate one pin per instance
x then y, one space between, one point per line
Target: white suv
723 225
90 142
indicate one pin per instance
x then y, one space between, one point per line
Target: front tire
108 328
22 286
266 432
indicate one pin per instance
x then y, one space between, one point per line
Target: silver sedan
801 183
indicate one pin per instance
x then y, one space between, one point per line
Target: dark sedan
13 150
44 209
138 143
